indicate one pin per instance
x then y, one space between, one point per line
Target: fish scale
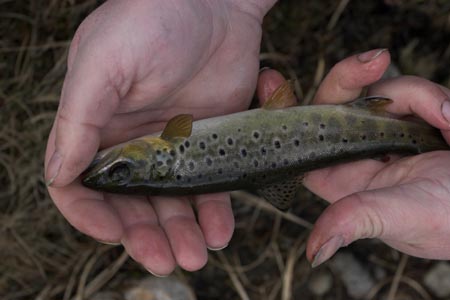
267 150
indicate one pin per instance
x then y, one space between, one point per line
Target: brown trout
266 149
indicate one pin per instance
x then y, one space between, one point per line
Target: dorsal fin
282 97
282 194
178 126
376 104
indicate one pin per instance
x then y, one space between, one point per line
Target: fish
267 150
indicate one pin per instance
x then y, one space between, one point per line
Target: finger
396 215
89 98
143 238
336 182
347 78
216 219
417 96
268 81
177 219
87 211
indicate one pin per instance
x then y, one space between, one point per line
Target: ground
43 257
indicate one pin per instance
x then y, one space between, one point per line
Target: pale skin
135 64
405 202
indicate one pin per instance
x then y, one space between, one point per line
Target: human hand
132 66
405 202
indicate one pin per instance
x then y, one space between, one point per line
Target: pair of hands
135 64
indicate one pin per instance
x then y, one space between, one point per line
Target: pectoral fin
282 97
282 194
178 126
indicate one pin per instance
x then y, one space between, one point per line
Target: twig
234 279
296 251
337 14
397 277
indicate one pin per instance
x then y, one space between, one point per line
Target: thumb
380 213
88 101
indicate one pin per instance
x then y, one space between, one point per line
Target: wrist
257 8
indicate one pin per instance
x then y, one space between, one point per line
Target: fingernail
156 275
327 250
370 55
446 110
53 168
263 69
217 249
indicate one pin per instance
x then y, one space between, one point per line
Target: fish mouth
95 174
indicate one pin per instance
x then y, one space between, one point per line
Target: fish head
140 163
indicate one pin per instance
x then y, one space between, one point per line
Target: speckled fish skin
256 148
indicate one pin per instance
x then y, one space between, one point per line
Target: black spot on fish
187 144
255 163
306 124
363 137
239 130
284 127
344 140
221 152
402 135
322 126
199 176
158 152
181 148
202 145
285 162
263 151
414 142
214 136
321 138
256 134
277 144
208 161
219 171
244 175
230 141
274 165
296 143
172 152
243 152
178 177
382 134
159 163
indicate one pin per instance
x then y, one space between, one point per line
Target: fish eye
120 173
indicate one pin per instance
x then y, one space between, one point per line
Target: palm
214 74
201 65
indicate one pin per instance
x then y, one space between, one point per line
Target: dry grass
42 257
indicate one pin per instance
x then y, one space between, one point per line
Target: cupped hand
132 66
404 202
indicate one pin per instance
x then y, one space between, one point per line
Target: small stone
320 282
356 278
154 288
437 279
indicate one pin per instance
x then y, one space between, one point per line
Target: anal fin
281 194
